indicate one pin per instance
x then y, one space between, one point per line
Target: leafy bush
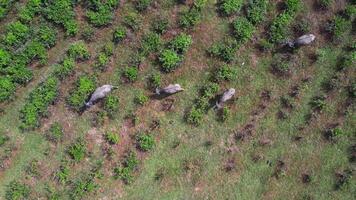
88 33
65 69
293 6
16 190
154 80
318 103
338 27
265 45
348 61
19 73
55 132
119 34
224 50
229 7
28 12
3 139
47 36
77 150
112 137
350 12
325 3
7 88
108 49
131 73
132 21
278 30
209 90
256 11
181 43
160 25
169 60
100 13
195 116
243 29
5 7
37 103
280 64
101 61
83 88
111 105
141 98
303 26
16 33
79 51
225 73
142 5
61 12
34 50
62 174
145 142
82 186
5 58
150 43
189 18
125 172
224 114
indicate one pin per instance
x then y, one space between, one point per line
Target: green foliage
61 12
101 61
142 5
46 35
88 33
7 88
119 34
62 174
55 132
108 49
19 73
82 186
5 7
78 51
32 168
141 98
256 11
37 103
154 80
325 4
224 50
77 150
181 43
303 26
229 7
111 105
17 191
189 18
145 142
16 33
224 73
339 27
293 6
195 116
279 27
350 12
318 103
112 137
100 13
243 29
160 25
65 69
5 58
169 60
209 90
34 50
28 12
84 86
125 172
280 64
150 43
131 73
3 139
348 61
224 114
132 21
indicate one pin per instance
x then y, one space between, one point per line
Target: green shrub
35 50
141 98
47 36
150 43
265 45
195 116
169 60
325 4
101 61
348 61
119 34
16 191
303 26
102 16
225 73
339 27
181 43
19 74
77 150
62 174
61 12
279 27
132 21
209 90
224 50
293 6
111 105
32 168
154 80
199 4
37 103
79 51
243 29
83 88
16 33
82 186
125 172
5 6
55 132
350 12
189 18
224 114
131 73
28 12
88 33
160 25
229 7
256 11
145 142
112 137
3 139
108 49
5 58
7 88
65 69
142 5
318 103
280 64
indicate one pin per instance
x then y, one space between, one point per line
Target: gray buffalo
302 40
170 89
227 95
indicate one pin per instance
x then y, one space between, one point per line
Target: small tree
169 60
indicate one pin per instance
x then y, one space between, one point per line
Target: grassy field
289 132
